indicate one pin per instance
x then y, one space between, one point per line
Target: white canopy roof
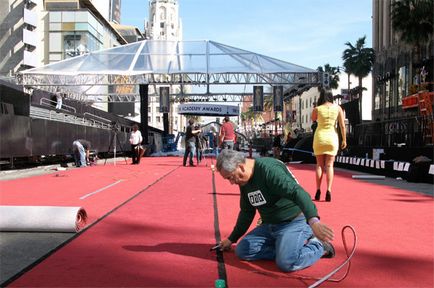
171 63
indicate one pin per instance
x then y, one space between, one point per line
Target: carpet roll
42 219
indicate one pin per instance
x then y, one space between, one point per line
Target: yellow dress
326 139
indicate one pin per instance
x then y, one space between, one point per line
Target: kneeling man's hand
322 232
225 245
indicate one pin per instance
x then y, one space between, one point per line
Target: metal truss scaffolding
157 62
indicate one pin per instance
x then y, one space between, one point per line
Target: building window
387 94
79 43
149 119
149 109
158 119
163 13
157 109
161 24
402 84
377 99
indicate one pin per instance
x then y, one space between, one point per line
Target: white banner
208 109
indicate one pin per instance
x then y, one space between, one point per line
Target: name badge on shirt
256 198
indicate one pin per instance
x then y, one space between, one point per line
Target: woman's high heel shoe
328 196
317 195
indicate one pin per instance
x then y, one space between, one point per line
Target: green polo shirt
275 193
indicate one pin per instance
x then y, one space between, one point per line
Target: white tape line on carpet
99 190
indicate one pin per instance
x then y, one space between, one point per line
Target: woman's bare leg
329 162
319 170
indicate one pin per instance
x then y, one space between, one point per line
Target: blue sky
309 33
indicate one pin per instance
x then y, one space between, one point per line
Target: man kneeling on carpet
290 233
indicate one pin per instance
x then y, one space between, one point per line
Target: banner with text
208 109
258 98
278 98
164 100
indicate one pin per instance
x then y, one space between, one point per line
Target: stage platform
151 225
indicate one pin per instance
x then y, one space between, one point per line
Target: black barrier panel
55 138
62 141
16 97
144 126
38 137
303 150
121 109
15 138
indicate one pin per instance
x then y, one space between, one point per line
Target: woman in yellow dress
326 139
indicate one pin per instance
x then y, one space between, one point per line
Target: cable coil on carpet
347 261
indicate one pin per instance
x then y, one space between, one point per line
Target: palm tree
334 75
268 108
250 116
359 61
268 103
413 20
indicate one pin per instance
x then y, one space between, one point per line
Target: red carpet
394 229
65 188
162 237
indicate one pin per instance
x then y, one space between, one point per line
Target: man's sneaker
329 250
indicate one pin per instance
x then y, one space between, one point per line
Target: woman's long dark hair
324 97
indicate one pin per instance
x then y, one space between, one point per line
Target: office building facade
397 70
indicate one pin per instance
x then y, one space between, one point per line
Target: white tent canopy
159 62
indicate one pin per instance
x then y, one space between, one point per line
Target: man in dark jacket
190 143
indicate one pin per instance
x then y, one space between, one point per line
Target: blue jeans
290 244
190 150
228 144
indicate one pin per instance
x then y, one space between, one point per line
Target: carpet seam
219 254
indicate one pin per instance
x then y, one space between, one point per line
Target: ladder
426 113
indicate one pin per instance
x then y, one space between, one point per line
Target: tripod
113 141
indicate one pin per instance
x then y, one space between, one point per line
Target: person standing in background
277 146
136 141
58 101
190 143
326 140
227 134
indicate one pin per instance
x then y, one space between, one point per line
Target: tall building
397 70
20 30
39 32
164 24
